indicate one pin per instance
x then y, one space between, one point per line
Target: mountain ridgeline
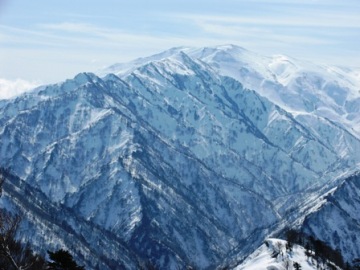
191 157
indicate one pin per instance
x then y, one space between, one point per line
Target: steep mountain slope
339 218
48 225
298 86
169 160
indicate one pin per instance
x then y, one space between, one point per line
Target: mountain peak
231 47
85 77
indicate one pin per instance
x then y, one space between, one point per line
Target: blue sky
48 41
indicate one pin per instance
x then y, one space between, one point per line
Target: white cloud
69 26
260 34
12 88
304 18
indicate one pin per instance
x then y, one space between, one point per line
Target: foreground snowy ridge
275 255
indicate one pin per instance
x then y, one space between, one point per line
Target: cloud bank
12 88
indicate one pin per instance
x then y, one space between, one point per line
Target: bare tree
14 255
8 227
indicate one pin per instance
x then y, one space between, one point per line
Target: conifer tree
62 260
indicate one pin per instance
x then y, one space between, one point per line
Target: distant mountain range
191 157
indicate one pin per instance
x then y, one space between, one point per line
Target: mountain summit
190 157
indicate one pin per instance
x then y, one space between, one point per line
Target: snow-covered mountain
172 160
301 87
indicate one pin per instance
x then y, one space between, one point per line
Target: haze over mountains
191 157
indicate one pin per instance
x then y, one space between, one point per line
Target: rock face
171 163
